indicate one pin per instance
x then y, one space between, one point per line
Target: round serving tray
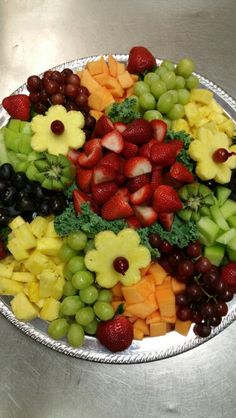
149 349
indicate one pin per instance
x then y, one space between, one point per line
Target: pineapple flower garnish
57 131
215 159
117 258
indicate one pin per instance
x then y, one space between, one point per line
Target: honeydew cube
10 287
226 237
50 309
16 249
201 96
23 308
232 244
23 277
16 222
228 208
39 226
6 270
33 291
36 262
25 237
208 229
215 253
49 246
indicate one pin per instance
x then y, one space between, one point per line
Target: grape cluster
60 88
204 300
84 304
20 196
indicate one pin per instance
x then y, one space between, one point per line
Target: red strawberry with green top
117 206
103 126
164 154
84 179
102 192
138 132
140 59
145 214
180 172
228 275
18 106
166 220
166 199
113 141
159 128
137 182
136 166
115 334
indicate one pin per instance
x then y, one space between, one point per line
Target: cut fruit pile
117 202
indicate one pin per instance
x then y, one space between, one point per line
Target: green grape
183 96
168 64
150 78
89 246
169 79
58 328
76 264
70 305
85 315
185 67
91 328
89 295
104 310
192 82
179 82
66 253
75 335
161 71
147 101
158 88
176 112
82 279
165 102
174 95
140 88
69 289
67 273
105 295
168 122
152 114
77 240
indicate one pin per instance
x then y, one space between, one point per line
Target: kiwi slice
196 199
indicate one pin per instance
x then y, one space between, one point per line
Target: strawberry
18 106
166 199
113 141
102 174
116 334
145 149
145 214
103 126
84 179
120 179
120 126
136 166
228 275
102 192
111 160
137 182
138 132
133 222
168 180
166 219
73 155
91 155
117 206
142 196
159 128
177 144
180 172
163 154
79 198
129 150
140 60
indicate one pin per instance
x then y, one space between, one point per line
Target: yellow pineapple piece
57 289
50 309
16 249
36 262
201 95
39 226
10 287
49 246
33 291
192 113
57 261
6 270
8 260
50 231
40 303
215 107
25 237
218 118
23 308
23 276
47 279
228 127
18 221
180 125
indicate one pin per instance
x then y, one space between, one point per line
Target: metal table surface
37 382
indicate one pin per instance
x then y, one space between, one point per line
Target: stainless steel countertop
37 382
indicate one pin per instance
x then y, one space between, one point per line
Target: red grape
202 265
184 314
202 330
194 249
34 83
186 268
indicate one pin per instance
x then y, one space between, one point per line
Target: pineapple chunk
217 118
23 277
39 226
227 127
57 261
36 262
22 308
215 107
50 232
25 237
8 260
50 309
33 291
6 270
201 95
57 289
10 287
18 221
16 249
192 113
40 303
47 279
49 246
180 125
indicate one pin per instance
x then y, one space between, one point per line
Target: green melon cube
218 218
14 125
228 208
208 229
232 243
226 237
222 194
215 253
232 221
231 254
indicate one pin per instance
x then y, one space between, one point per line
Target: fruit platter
118 208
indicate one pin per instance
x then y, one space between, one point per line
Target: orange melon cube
100 98
116 291
129 92
141 324
182 327
177 286
158 273
142 309
166 284
166 301
95 67
117 303
152 300
157 329
153 318
138 292
134 77
112 65
132 319
145 270
125 80
169 319
86 80
114 86
101 78
96 114
120 67
138 334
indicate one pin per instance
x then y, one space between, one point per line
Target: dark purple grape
202 265
47 74
121 265
166 265
207 310
71 90
202 330
37 192
226 296
6 171
34 97
4 217
58 77
90 122
20 180
44 98
57 127
194 249
83 90
58 204
181 299
71 106
44 208
221 309
196 317
81 100
186 268
166 247
51 87
193 291
8 197
219 287
175 258
215 321
155 240
3 186
73 79
26 204
34 83
40 108
66 72
184 314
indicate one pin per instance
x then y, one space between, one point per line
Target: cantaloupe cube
16 249
166 301
138 334
132 319
39 226
125 80
138 292
141 324
116 291
142 309
145 270
134 77
95 67
100 99
86 80
166 284
129 92
23 276
120 68
112 66
150 279
50 309
105 68
96 114
157 329
153 317
101 78
22 308
117 303
158 273
169 319
16 222
177 286
10 287
182 327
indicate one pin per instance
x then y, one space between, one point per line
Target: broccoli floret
124 112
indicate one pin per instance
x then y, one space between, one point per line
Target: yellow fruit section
33 274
